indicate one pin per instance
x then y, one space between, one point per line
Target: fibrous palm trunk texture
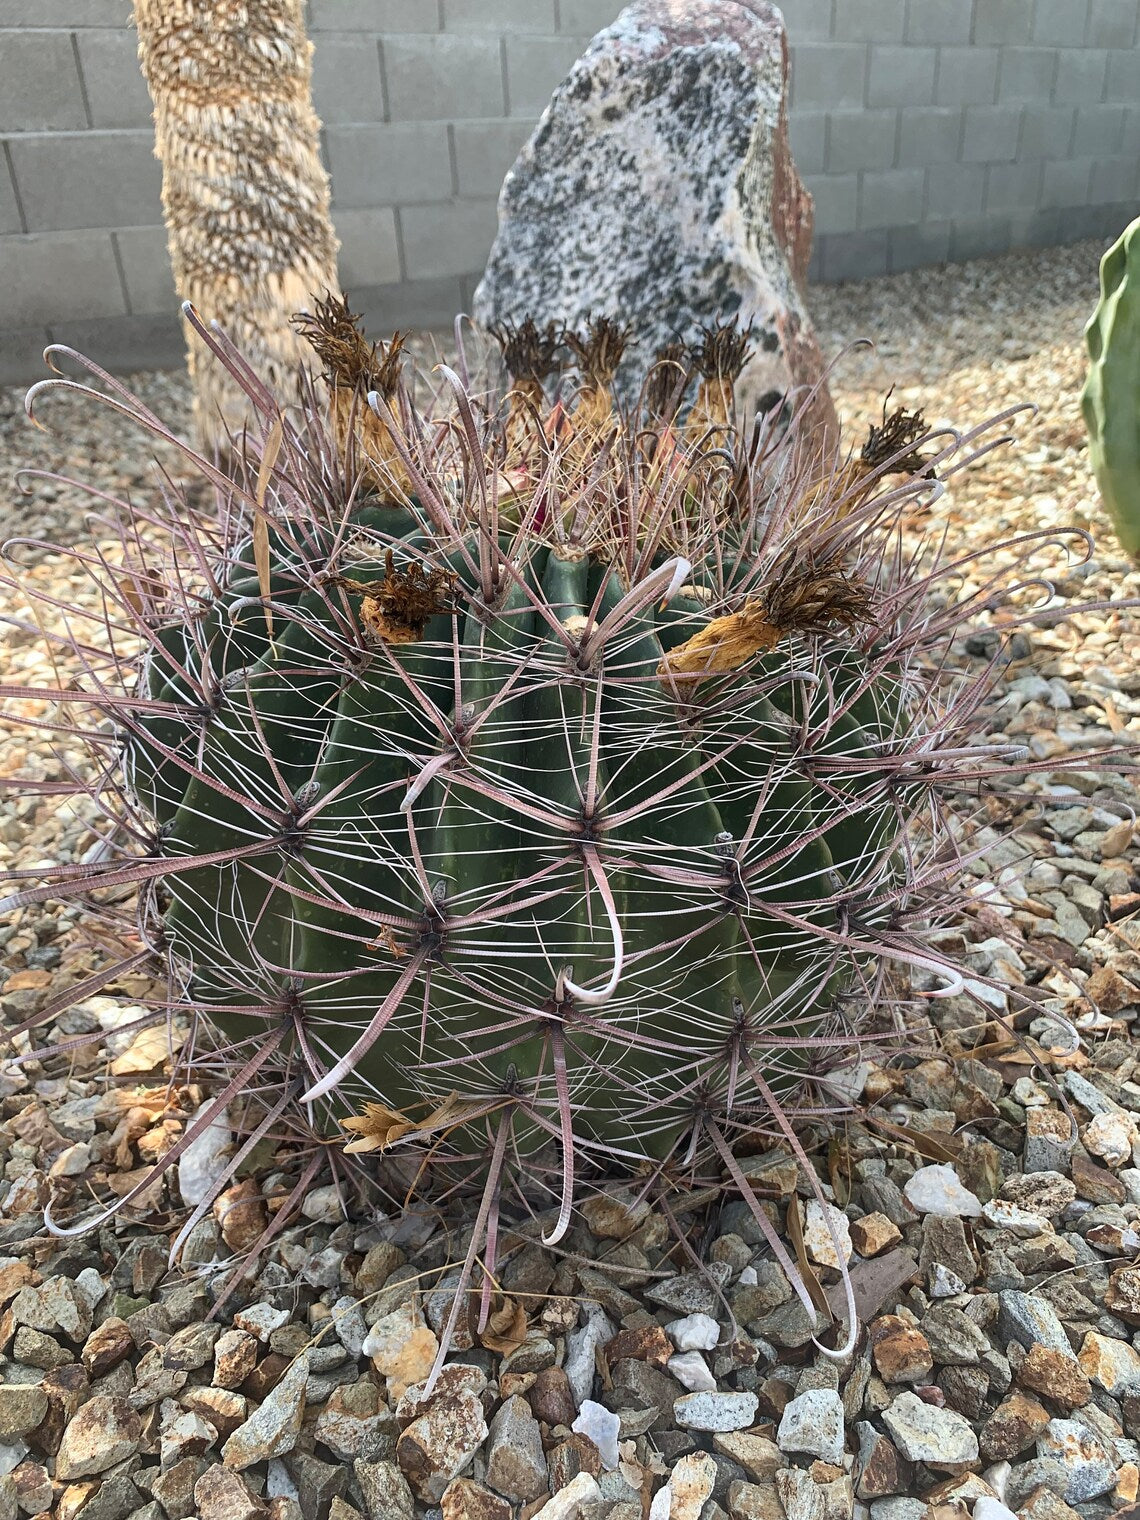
244 193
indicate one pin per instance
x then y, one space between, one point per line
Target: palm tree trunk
244 193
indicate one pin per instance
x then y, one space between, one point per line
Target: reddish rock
1055 1377
436 1447
243 1215
1015 1424
1123 1294
1096 1183
551 1398
106 1347
464 1500
872 1234
901 1352
648 1343
101 1433
881 1468
235 1357
65 1388
577 1454
222 1494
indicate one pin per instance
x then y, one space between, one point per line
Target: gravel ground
990 1245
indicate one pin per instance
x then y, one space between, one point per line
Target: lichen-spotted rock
658 188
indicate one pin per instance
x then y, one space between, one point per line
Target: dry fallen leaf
149 1050
506 1327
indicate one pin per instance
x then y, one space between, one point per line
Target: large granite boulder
659 188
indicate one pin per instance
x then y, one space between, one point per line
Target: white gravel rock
986 1508
925 1433
602 1426
826 1227
715 1411
812 1424
696 1332
938 1190
691 1371
1113 1137
203 1161
580 1347
1018 1221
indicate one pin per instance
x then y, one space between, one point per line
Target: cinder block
1060 23
369 249
979 238
939 21
967 76
891 198
919 246
146 269
836 199
1113 180
87 179
1013 187
22 352
422 304
1112 24
1081 76
1105 222
439 78
535 67
1041 229
1027 74
373 16
901 76
1066 183
10 219
1098 131
125 345
861 140
1003 23
498 16
855 256
1047 131
870 20
1130 136
394 163
582 18
39 83
59 277
929 135
954 192
990 135
116 90
828 75
807 134
66 13
1123 70
484 151
346 77
447 240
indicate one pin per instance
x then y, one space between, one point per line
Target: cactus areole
1110 400
524 783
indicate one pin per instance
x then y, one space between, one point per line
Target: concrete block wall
926 129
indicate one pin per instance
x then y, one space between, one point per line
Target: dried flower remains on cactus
529 830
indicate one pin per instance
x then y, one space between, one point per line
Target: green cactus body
1110 401
572 873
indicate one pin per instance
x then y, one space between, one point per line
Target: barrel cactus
536 787
1110 400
